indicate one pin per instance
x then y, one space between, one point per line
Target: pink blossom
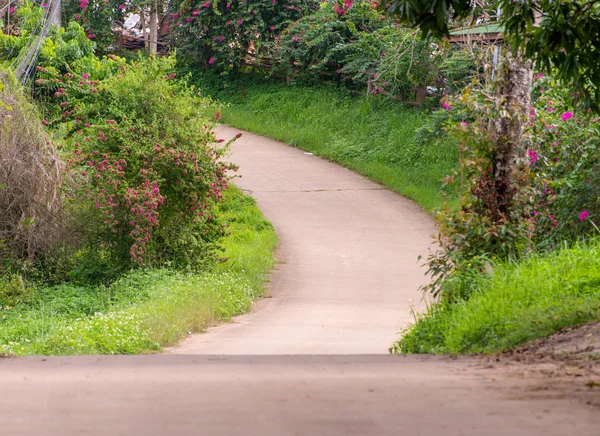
464 124
211 61
122 7
85 76
175 16
566 116
583 215
533 157
445 105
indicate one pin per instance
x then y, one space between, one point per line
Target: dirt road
345 285
273 395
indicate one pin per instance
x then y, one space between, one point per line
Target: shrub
146 171
564 156
218 34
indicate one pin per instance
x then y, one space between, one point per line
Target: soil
564 365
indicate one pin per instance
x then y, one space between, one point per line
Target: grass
146 310
521 302
374 136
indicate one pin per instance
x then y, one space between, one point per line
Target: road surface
310 360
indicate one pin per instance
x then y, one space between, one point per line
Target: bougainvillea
220 33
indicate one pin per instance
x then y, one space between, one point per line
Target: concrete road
348 272
272 395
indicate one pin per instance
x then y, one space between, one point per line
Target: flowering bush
564 155
218 34
554 188
142 162
357 40
96 17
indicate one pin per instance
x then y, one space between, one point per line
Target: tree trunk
143 21
153 40
513 89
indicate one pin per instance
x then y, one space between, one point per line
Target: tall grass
374 136
522 301
146 310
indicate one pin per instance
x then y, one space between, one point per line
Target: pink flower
172 76
533 157
175 16
445 105
464 124
122 7
44 5
566 116
583 215
85 76
211 61
11 10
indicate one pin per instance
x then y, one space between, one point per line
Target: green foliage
565 38
145 309
97 18
374 137
67 47
218 34
518 302
564 157
360 45
142 157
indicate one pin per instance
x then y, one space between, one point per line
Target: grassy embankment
146 310
373 136
520 302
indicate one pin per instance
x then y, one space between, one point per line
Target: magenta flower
211 61
464 124
533 157
175 16
445 105
566 116
583 215
122 7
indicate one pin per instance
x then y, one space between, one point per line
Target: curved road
345 286
347 275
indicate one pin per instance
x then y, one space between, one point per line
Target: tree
564 34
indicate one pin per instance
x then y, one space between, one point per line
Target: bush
219 34
564 157
146 171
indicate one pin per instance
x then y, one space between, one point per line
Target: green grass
373 136
520 302
146 310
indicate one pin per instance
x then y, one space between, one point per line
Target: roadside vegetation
129 235
120 230
379 138
144 309
519 302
